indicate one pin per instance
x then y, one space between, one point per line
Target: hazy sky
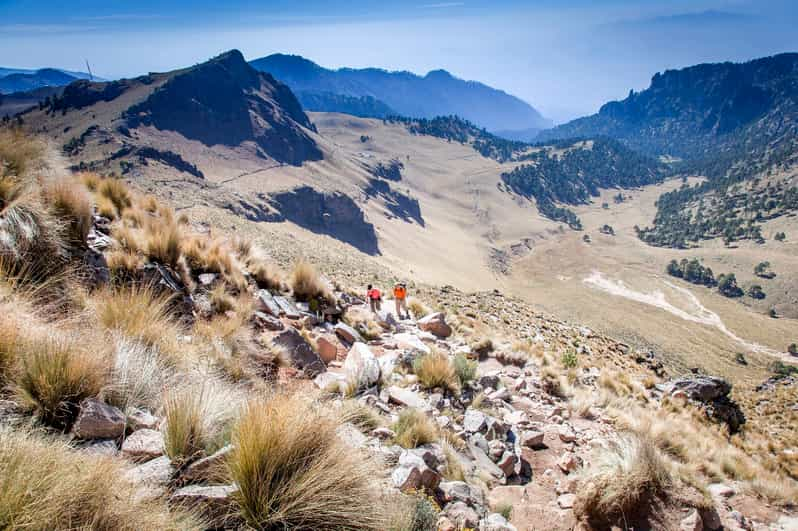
565 57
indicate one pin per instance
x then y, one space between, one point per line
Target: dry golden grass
621 480
199 419
163 242
139 314
417 308
20 153
47 485
106 208
267 275
149 203
90 180
138 377
435 370
9 344
366 418
221 301
56 372
123 265
70 204
519 358
414 428
294 472
116 192
307 284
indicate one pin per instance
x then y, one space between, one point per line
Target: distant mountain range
373 92
18 80
731 122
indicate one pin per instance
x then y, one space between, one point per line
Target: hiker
400 297
375 298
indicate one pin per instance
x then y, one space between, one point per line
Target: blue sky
565 57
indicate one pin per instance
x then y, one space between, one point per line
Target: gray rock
692 522
329 381
490 380
432 454
151 478
207 279
300 352
485 463
413 473
211 468
462 515
496 428
406 397
566 433
98 420
347 333
383 433
496 522
362 366
106 448
138 419
213 502
721 490
703 388
461 491
265 302
507 463
143 445
474 421
264 321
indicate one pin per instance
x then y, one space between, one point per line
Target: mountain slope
436 94
222 102
12 80
736 124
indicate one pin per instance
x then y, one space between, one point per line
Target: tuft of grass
123 265
519 358
465 369
9 346
139 314
569 359
622 479
70 204
138 377
504 509
116 192
46 485
364 417
221 301
106 208
307 284
163 242
90 180
149 203
482 347
417 308
435 370
199 419
294 472
414 428
20 153
266 274
56 373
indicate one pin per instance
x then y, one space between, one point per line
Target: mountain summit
439 93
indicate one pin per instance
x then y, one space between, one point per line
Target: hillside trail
697 312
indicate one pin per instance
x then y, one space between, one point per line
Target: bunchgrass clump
465 369
414 428
435 370
294 472
47 485
56 372
116 192
307 284
622 479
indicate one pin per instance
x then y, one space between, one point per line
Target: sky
564 57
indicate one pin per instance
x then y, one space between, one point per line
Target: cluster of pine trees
695 272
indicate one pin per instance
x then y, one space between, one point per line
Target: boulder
452 491
328 351
264 321
361 366
435 323
485 463
138 419
463 516
406 397
347 333
703 388
98 420
474 421
411 342
568 462
211 468
496 428
143 445
566 434
413 473
215 503
151 477
300 352
497 522
507 463
721 490
532 439
106 448
491 380
432 454
265 302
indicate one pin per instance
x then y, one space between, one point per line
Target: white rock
566 501
362 366
411 341
532 438
474 421
143 445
